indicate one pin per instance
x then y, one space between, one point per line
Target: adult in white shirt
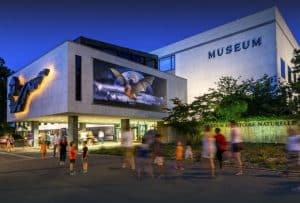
236 145
127 145
101 136
56 142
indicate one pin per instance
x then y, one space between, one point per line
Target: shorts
142 162
159 160
72 161
236 147
85 160
208 155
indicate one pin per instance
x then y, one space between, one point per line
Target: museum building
248 47
86 86
83 86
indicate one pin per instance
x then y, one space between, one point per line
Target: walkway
28 179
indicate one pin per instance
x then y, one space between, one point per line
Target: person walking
188 154
143 162
236 145
72 157
220 145
56 142
43 145
179 156
209 149
85 151
8 143
127 145
101 136
292 149
157 155
63 151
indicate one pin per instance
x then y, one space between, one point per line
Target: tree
181 119
295 86
4 73
267 97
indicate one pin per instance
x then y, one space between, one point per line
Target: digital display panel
126 87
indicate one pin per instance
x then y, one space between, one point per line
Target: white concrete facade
57 97
249 47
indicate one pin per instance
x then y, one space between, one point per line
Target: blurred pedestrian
30 139
43 146
236 145
127 145
63 151
157 155
143 161
48 140
101 136
292 149
85 151
8 143
179 156
72 157
209 149
221 146
188 154
56 142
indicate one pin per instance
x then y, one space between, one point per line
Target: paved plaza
24 177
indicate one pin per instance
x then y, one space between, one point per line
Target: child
85 157
63 151
179 156
72 156
189 154
43 147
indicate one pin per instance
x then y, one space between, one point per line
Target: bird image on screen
132 82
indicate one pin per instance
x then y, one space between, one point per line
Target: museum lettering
239 46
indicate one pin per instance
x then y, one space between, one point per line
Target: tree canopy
4 73
232 99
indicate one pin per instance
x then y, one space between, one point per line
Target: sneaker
181 168
239 173
84 172
72 173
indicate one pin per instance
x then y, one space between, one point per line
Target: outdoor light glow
47 81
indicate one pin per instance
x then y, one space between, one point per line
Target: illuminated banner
122 86
18 93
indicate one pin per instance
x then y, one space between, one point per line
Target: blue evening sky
30 28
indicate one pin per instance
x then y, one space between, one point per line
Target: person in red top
221 146
72 157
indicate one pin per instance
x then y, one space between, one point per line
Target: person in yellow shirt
179 156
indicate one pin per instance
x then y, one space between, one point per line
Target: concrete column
124 124
73 129
35 132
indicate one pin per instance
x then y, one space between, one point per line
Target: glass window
167 63
289 75
78 77
282 68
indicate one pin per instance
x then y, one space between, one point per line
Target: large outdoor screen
123 86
